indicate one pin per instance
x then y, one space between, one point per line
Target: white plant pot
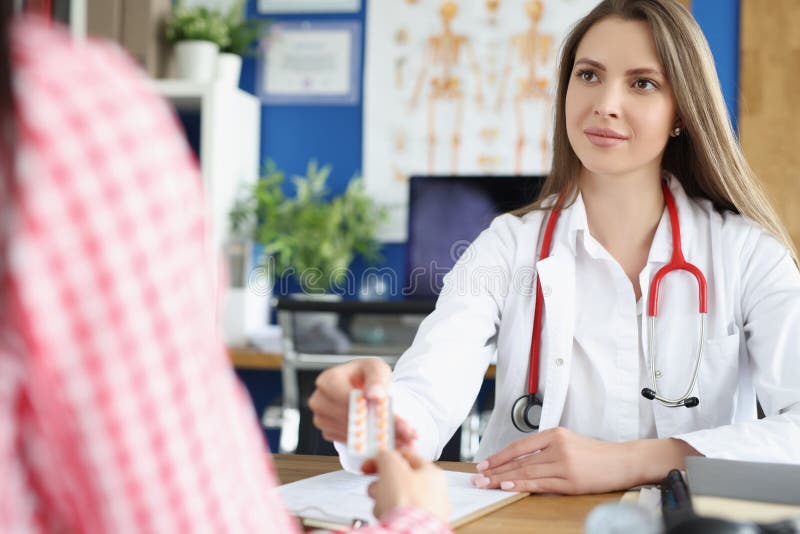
229 69
196 60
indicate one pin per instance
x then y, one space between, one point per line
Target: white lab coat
486 310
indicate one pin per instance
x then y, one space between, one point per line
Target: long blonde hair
705 157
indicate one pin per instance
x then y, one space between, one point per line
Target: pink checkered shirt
119 411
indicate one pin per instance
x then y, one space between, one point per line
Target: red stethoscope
526 413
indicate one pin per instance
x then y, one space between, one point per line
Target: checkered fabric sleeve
119 411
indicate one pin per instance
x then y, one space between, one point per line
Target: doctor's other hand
560 461
331 398
405 479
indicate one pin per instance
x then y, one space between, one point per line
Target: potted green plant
310 236
242 35
198 34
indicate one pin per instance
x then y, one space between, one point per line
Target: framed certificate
311 63
309 6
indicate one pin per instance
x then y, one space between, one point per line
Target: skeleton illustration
444 54
531 50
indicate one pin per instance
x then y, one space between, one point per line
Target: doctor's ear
677 128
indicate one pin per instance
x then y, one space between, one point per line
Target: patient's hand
405 479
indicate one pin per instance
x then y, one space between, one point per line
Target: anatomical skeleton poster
459 88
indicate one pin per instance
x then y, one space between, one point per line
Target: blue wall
291 135
719 20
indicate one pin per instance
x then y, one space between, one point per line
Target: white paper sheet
340 497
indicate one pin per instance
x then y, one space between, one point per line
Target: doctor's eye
645 85
587 75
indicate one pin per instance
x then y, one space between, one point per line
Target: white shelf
230 129
183 94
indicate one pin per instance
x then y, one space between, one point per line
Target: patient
118 407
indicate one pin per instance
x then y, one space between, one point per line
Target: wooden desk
254 359
537 513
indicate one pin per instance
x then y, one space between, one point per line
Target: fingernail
376 392
506 485
483 466
479 481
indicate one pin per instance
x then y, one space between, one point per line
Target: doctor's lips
604 137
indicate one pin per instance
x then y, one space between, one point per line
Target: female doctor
667 290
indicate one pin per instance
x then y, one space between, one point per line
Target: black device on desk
712 525
680 518
676 504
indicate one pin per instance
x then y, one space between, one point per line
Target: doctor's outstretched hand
330 400
560 461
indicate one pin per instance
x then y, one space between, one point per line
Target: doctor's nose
607 104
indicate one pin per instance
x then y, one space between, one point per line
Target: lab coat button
559 362
658 374
547 291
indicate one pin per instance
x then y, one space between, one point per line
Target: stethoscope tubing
677 263
536 334
651 334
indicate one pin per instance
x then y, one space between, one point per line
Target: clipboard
339 500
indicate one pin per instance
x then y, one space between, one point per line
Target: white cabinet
230 128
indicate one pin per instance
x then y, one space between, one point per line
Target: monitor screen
446 213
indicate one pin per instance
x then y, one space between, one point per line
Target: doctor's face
619 105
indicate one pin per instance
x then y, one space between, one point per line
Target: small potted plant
312 237
242 34
198 34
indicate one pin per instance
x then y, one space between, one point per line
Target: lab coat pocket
719 379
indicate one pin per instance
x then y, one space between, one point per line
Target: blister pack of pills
370 425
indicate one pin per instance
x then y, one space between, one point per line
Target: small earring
675 132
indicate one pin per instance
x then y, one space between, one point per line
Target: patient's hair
7 128
7 122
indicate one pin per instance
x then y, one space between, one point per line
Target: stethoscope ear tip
691 402
648 393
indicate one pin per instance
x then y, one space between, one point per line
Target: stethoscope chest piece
526 414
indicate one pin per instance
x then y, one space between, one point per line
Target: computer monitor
446 213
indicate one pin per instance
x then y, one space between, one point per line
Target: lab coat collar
575 222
